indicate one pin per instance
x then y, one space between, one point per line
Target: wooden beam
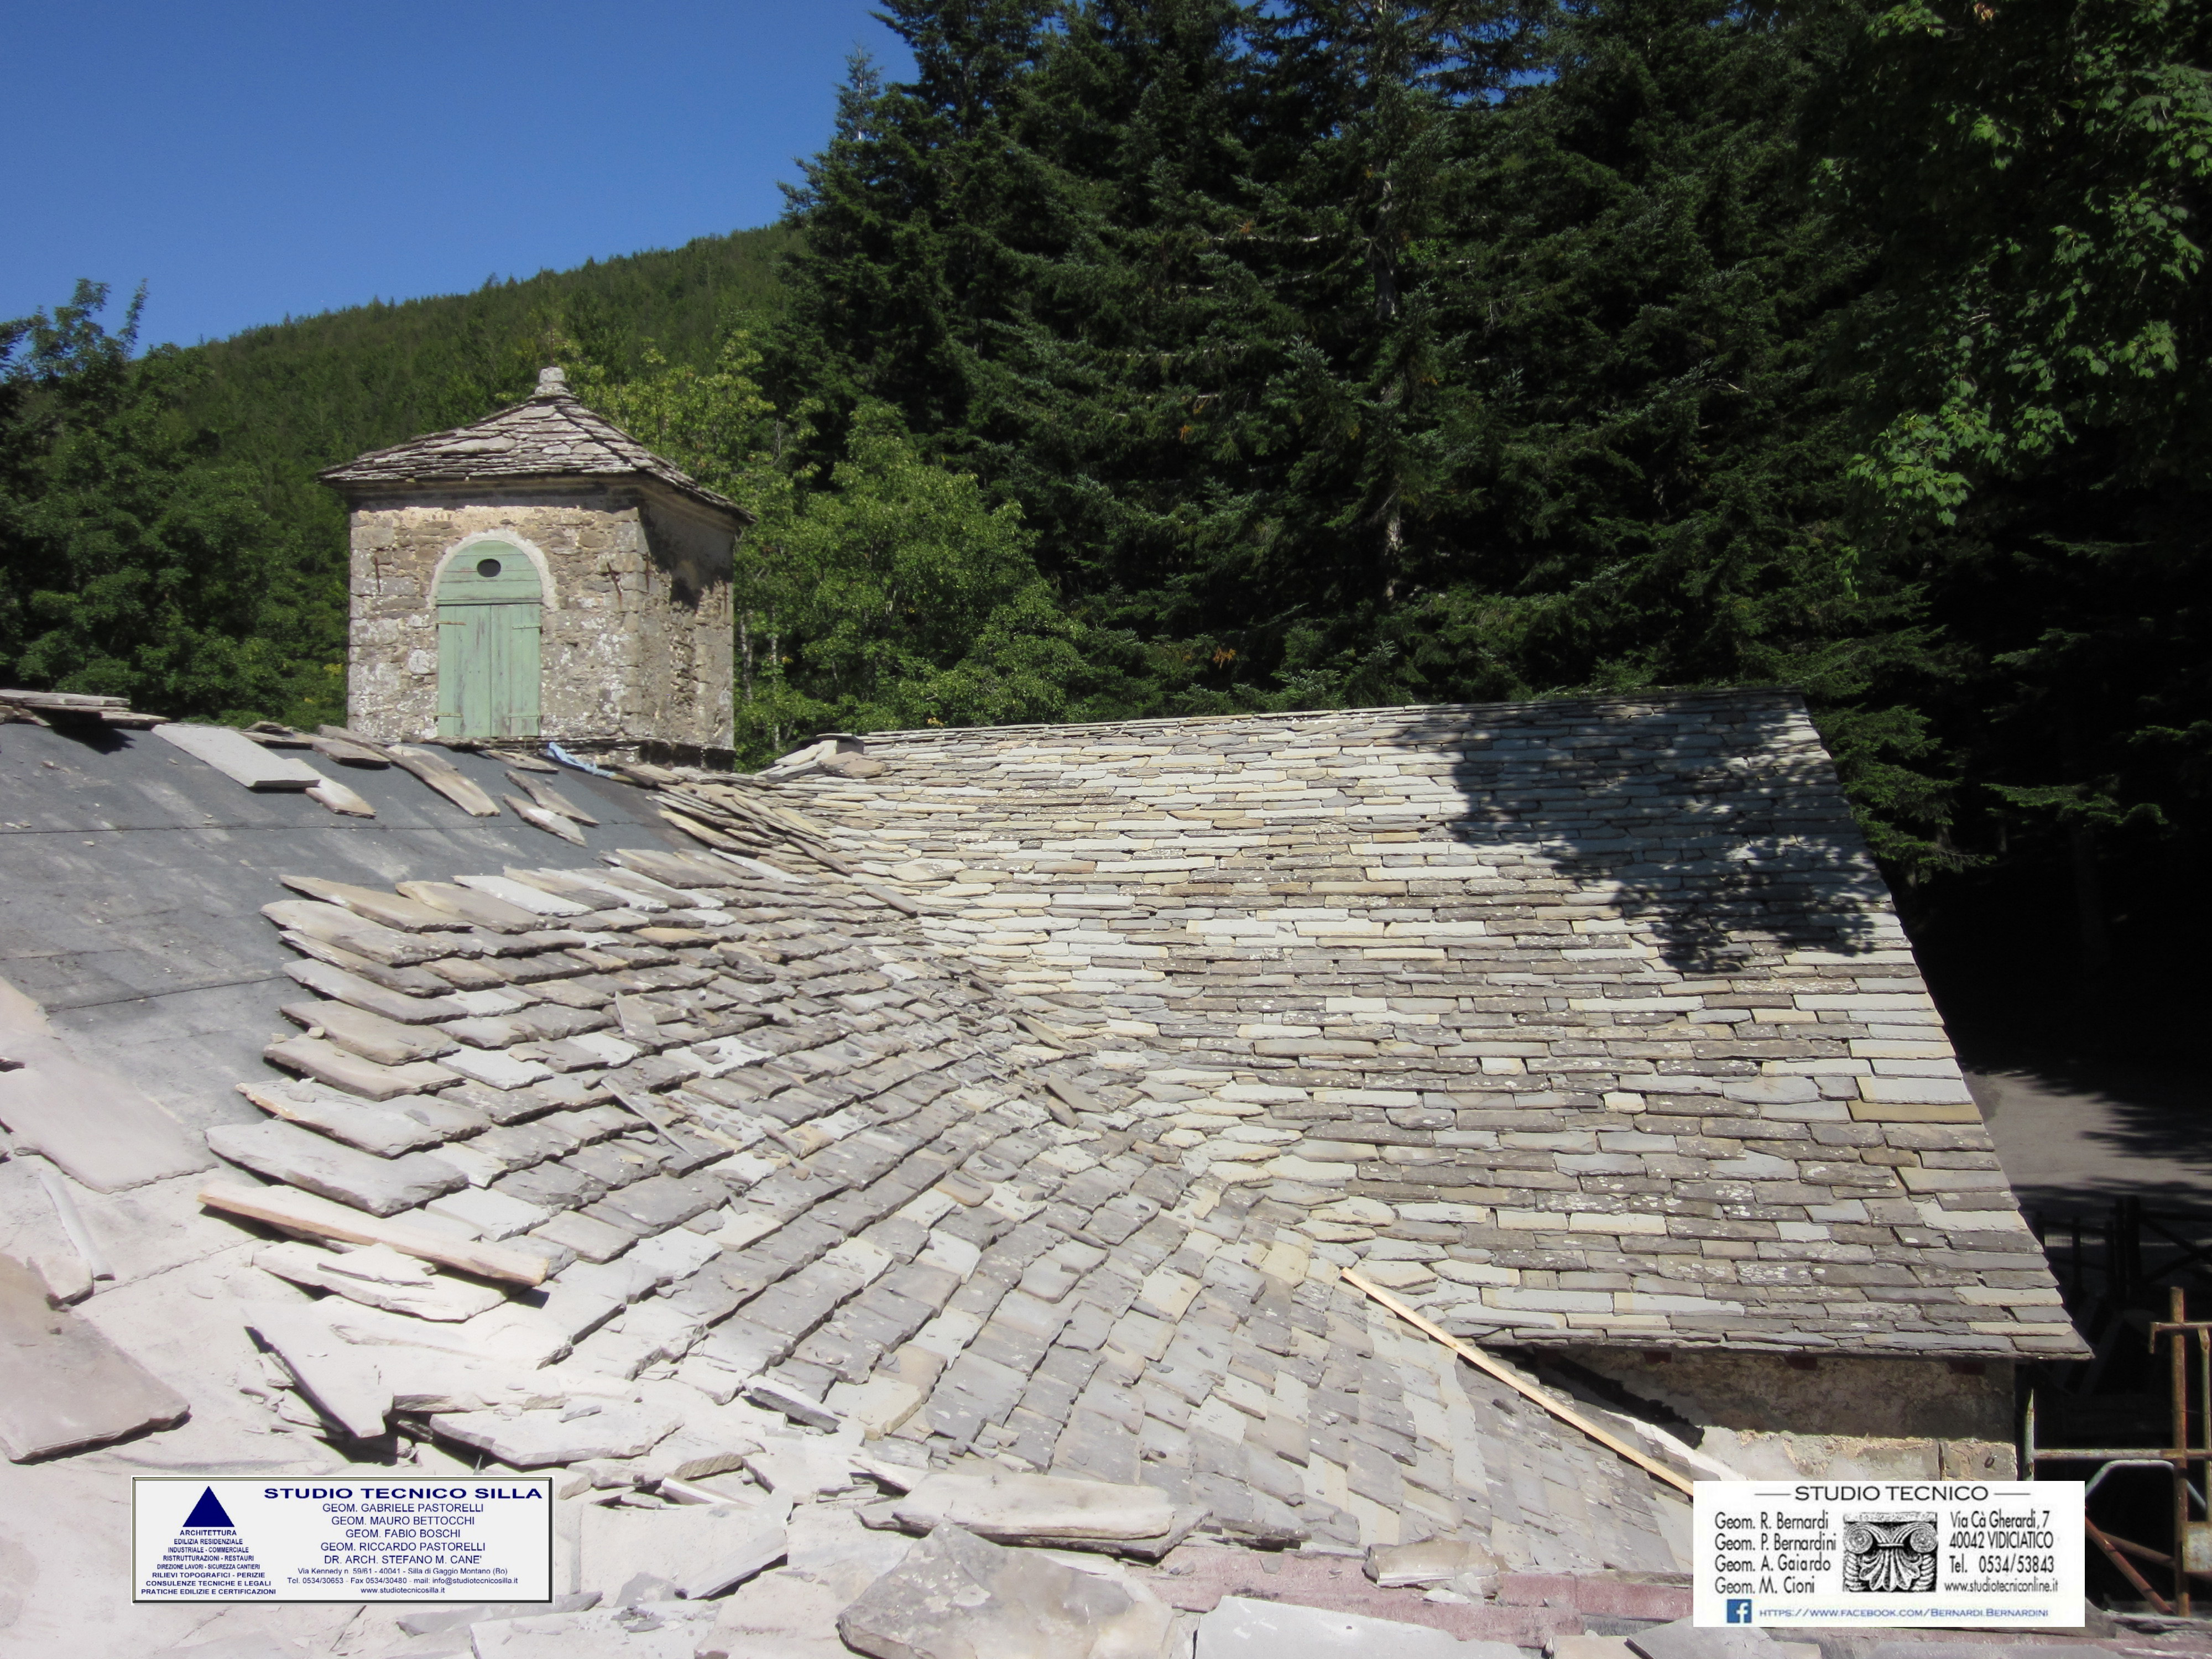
1483 1363
319 1217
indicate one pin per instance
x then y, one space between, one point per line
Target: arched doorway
488 600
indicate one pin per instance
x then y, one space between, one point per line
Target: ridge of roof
551 433
1785 695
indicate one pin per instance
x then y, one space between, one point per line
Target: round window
487 567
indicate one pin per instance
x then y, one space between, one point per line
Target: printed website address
1914 1615
2009 1587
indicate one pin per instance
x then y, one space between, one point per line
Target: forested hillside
322 389
1190 356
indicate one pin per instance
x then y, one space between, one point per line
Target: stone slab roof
1588 1022
868 1196
1025 1096
131 878
550 436
770 1139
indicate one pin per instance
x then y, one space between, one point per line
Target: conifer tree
1124 399
914 215
1374 110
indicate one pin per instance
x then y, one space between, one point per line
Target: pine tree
1375 108
2037 406
1122 401
1647 479
914 215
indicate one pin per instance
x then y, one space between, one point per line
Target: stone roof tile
1578 996
1020 1278
550 434
1027 1097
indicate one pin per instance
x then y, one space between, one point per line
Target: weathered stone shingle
548 435
1600 1006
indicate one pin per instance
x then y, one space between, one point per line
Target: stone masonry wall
693 554
635 638
1776 1416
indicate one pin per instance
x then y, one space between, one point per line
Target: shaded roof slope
1590 1020
550 434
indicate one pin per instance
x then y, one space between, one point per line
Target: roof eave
351 486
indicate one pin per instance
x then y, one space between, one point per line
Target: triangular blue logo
208 1511
207 1560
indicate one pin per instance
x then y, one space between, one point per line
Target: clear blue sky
250 160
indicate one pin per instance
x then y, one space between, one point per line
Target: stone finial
552 382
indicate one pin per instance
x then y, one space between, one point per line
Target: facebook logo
1739 1610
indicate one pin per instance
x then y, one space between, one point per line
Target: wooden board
489 610
319 1218
488 670
62 1385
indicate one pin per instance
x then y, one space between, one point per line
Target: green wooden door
488 602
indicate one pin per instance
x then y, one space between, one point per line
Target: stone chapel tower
539 575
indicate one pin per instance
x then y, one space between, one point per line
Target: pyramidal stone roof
551 435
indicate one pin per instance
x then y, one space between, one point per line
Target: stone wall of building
694 552
636 638
1777 1417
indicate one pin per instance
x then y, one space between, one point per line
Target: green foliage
923 606
1338 362
2034 175
136 560
1184 357
309 393
884 591
2033 169
162 534
315 390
